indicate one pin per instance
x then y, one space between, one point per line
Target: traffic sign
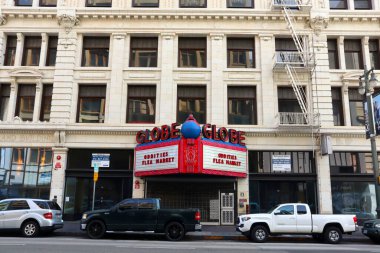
100 160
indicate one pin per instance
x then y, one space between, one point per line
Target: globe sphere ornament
191 128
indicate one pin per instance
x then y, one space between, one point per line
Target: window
48 3
338 4
337 106
141 104
356 107
92 99
192 3
52 51
25 101
46 102
4 205
128 204
301 209
287 52
286 210
32 49
10 51
143 52
362 4
18 205
95 51
98 3
240 53
192 52
240 3
333 54
374 53
4 101
145 3
191 99
23 2
353 54
242 105
288 106
351 163
146 204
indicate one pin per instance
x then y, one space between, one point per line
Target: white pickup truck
296 218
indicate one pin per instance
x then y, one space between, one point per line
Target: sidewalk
71 228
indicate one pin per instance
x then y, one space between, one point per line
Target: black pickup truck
141 215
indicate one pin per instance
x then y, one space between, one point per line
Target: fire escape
296 62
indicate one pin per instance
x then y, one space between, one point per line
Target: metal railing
298 118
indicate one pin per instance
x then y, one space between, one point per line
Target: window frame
47 5
351 52
369 2
96 98
182 5
248 65
375 53
192 49
142 5
229 5
132 60
19 99
253 100
17 3
97 49
335 52
104 5
34 49
51 51
187 98
337 104
9 49
154 98
344 3
46 100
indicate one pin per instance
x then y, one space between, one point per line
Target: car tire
96 229
174 231
332 235
259 234
30 229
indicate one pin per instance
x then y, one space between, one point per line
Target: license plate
365 231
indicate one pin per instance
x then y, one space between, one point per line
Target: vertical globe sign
98 160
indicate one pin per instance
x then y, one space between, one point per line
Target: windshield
271 210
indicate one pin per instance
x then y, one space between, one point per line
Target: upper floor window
32 50
333 54
338 4
240 53
192 52
48 3
95 51
46 102
91 103
242 106
52 51
141 104
353 54
143 52
192 3
356 107
98 3
287 52
374 53
337 106
239 3
4 101
289 107
23 2
362 4
191 99
25 101
10 51
145 3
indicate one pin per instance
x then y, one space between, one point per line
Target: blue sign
100 160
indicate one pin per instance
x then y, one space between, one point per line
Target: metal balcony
291 57
292 4
298 119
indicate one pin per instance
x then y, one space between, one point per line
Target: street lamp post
366 86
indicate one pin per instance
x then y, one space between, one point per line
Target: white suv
30 216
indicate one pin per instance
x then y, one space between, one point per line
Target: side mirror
277 212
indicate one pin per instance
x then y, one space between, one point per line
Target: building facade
80 77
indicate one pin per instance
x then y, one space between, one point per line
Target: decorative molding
119 36
68 19
168 36
318 23
3 19
26 72
216 36
266 37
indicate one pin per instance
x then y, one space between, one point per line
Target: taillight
48 216
197 216
355 220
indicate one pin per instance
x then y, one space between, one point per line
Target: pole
96 171
372 131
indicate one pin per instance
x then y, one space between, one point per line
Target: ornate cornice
3 19
67 19
318 23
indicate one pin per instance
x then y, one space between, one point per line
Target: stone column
44 48
365 50
323 183
341 57
138 185
19 49
57 186
267 89
12 100
113 113
3 46
166 106
346 104
35 3
37 101
218 62
242 195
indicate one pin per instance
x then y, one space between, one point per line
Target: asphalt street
80 245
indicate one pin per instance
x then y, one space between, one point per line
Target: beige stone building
80 77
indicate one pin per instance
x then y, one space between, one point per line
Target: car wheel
30 229
174 231
259 234
96 229
333 235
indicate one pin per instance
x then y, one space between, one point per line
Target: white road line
154 247
12 244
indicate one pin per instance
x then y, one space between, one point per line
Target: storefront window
351 163
354 198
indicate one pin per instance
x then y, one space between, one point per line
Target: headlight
84 216
377 225
245 218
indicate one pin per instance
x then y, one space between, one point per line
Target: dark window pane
301 209
52 51
10 51
192 52
240 53
143 52
333 54
95 52
242 105
240 3
337 106
191 99
18 205
91 106
353 54
350 163
23 2
48 3
32 49
46 102
98 3
141 104
193 3
338 4
4 100
145 3
374 53
362 4
356 107
25 102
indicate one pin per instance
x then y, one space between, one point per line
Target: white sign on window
281 163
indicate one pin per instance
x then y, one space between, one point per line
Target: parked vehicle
30 216
141 215
372 230
296 219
